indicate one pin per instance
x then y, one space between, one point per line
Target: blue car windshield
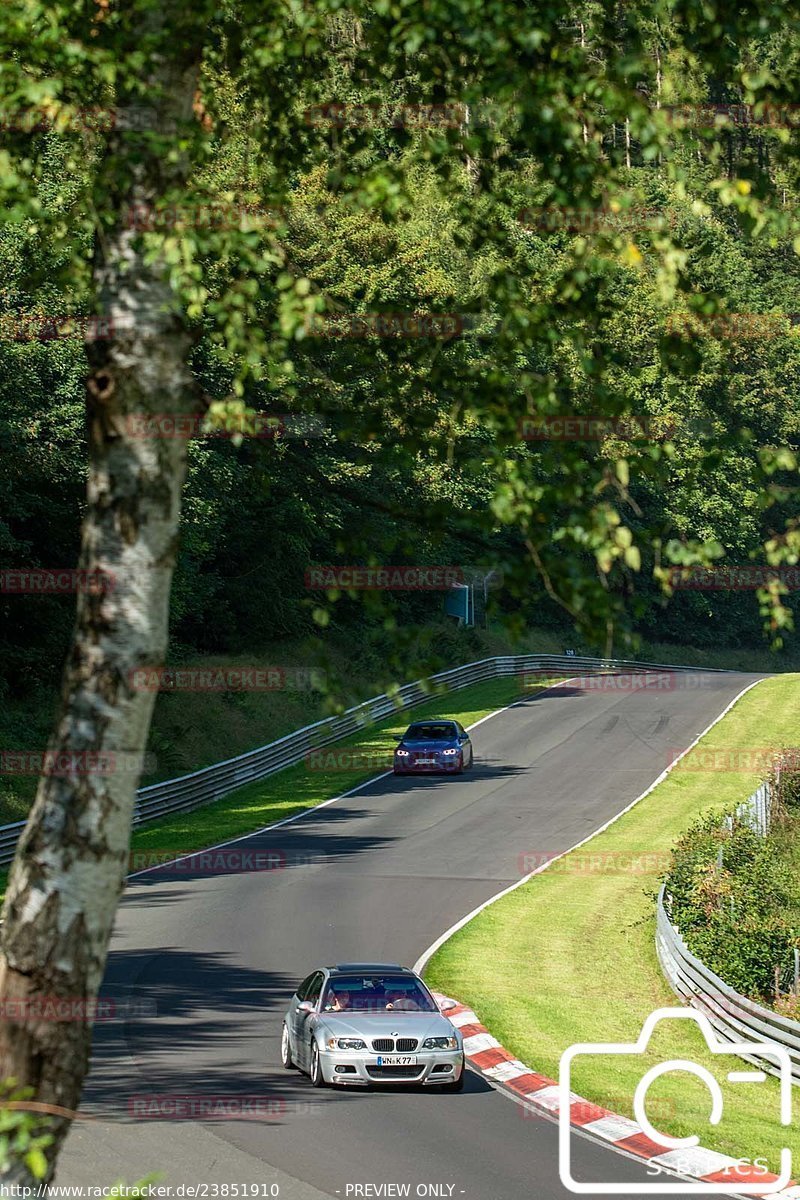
430 732
376 994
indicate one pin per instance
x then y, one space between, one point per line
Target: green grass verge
300 787
570 956
190 730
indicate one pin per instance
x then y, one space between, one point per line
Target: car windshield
376 994
430 732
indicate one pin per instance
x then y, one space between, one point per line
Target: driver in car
398 1001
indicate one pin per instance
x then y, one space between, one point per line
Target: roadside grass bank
194 729
570 956
727 658
191 730
362 756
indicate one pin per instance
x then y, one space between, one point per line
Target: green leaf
37 1163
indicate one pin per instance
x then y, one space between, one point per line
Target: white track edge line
425 957
323 803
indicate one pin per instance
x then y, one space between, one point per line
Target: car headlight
440 1043
450 752
402 753
346 1044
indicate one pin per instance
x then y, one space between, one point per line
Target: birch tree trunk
584 127
658 88
628 142
71 862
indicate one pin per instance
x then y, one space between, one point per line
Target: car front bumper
358 1068
406 767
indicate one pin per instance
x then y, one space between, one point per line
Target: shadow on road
180 1053
180 1062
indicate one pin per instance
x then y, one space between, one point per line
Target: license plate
397 1060
426 762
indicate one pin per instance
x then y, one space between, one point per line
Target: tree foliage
520 210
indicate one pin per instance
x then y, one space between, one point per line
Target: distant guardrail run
756 810
733 1017
212 783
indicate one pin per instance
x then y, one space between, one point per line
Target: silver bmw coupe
370 1023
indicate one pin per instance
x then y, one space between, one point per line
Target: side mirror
463 737
446 1005
398 737
305 1006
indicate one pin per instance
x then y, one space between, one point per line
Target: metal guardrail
756 810
9 835
733 1017
212 783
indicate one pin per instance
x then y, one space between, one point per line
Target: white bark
71 862
70 865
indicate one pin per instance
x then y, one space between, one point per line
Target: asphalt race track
378 875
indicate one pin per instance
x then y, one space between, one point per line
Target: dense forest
702 222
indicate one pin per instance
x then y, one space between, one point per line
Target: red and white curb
486 1056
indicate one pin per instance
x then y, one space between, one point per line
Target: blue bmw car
428 746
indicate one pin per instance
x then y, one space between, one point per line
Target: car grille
387 1045
394 1072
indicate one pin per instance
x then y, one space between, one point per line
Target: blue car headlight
450 752
402 753
440 1043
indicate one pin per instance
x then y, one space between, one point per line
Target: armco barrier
8 840
212 783
756 810
733 1017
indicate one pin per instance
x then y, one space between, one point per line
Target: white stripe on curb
479 1041
506 1070
696 1162
464 1018
613 1129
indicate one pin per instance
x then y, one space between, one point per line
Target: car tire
317 1078
286 1050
